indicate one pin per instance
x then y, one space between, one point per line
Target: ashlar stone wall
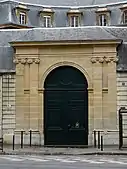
96 60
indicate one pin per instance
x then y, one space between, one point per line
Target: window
47 17
123 9
74 17
102 20
74 21
21 12
103 17
47 21
125 16
22 18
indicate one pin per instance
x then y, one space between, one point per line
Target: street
62 162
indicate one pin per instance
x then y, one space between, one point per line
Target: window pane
74 21
102 20
125 17
47 21
22 18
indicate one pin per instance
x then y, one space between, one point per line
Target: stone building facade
38 92
97 62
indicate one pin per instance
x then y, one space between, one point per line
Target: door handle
69 126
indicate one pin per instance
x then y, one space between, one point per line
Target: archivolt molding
65 63
26 60
104 59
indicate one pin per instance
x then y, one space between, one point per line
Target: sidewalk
108 150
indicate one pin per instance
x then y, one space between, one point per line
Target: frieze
37 61
16 61
23 61
107 60
93 60
26 60
30 61
103 59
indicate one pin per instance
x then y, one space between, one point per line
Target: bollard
101 143
13 141
30 138
98 139
95 143
2 144
21 139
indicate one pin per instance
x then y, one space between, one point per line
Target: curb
61 153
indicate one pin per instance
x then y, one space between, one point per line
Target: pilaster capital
23 61
16 61
93 60
37 60
29 61
101 60
115 60
104 59
107 60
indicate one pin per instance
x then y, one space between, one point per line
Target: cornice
69 42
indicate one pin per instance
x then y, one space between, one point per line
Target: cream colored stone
100 74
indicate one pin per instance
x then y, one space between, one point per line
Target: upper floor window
123 9
47 21
74 17
22 18
22 14
125 16
74 21
102 20
47 17
103 17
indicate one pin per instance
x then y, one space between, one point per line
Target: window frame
103 12
45 21
102 21
74 14
123 9
46 12
73 22
22 14
124 19
22 10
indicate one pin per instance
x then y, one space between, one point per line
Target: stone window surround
74 13
124 14
103 11
22 10
47 12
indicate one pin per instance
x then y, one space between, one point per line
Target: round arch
65 107
66 63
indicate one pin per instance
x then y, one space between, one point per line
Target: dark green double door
66 108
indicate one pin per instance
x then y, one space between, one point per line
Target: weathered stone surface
100 74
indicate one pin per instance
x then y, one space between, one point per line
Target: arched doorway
65 107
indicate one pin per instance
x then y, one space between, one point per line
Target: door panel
54 118
66 108
77 117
